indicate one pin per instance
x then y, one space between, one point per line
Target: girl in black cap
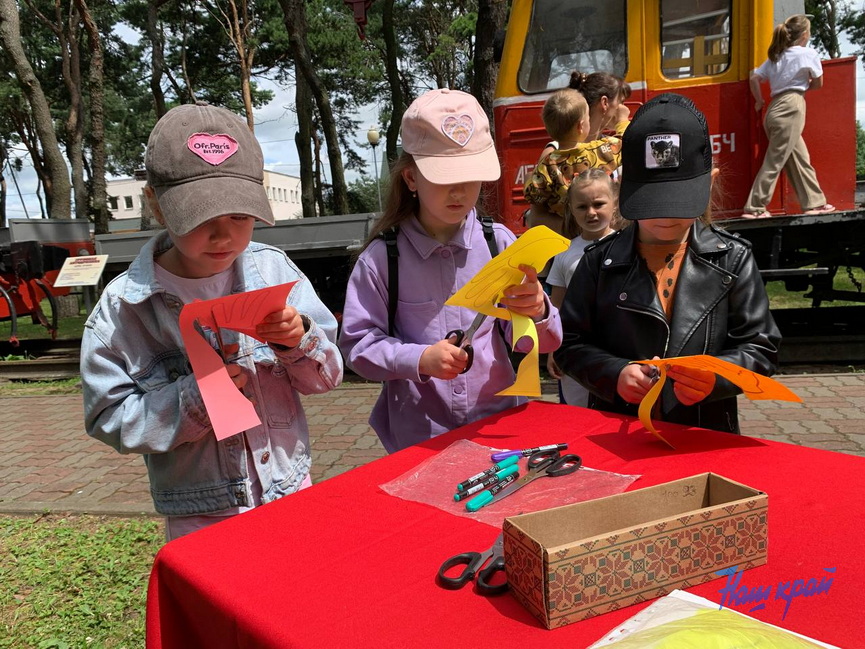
669 286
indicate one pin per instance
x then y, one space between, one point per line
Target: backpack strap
489 234
389 237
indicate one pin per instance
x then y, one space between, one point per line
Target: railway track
39 360
815 341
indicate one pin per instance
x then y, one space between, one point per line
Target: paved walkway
48 463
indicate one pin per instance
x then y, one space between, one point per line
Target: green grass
69 328
780 298
75 581
40 388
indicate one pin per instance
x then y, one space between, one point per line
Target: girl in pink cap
427 244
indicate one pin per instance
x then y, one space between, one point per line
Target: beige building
125 197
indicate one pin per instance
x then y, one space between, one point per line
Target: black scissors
474 565
464 338
546 464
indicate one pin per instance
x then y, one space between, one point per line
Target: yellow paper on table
486 289
754 386
714 629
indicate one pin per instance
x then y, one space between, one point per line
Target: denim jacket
140 395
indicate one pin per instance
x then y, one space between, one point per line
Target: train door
703 50
706 50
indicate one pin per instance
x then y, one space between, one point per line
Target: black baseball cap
666 161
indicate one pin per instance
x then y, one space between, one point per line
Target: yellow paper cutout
648 402
485 290
528 381
482 292
754 386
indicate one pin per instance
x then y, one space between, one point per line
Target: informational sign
81 271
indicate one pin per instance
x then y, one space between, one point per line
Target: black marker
465 484
490 481
526 452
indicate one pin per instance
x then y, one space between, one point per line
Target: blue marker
483 474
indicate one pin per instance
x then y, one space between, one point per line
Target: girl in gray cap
205 184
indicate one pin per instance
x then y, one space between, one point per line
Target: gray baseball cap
202 162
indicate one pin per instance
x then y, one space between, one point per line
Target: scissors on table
464 338
546 464
474 565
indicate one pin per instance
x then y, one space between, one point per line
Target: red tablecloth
343 564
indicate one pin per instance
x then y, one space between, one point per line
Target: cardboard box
574 562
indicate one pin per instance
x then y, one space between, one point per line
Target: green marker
486 497
465 484
490 481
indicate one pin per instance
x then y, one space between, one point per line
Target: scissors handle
542 459
486 577
460 335
471 560
554 464
564 465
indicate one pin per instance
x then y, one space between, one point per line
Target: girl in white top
592 214
791 69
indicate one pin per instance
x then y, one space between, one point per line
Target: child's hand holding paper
691 384
284 327
691 374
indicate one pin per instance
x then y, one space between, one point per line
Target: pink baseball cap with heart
448 135
202 162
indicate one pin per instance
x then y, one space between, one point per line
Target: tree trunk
303 139
96 79
2 185
67 32
157 56
318 185
236 27
397 98
58 193
295 23
492 15
75 123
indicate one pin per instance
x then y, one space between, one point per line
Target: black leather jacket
612 315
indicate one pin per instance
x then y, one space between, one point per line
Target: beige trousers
785 121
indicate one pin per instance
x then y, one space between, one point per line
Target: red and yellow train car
703 49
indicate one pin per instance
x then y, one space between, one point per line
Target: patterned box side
606 574
524 567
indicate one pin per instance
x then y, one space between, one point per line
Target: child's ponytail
787 34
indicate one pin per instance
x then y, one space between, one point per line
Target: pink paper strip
229 410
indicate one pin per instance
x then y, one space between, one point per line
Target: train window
584 35
695 37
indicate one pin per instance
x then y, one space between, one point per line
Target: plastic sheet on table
434 482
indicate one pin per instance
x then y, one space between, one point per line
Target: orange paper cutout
754 386
229 410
